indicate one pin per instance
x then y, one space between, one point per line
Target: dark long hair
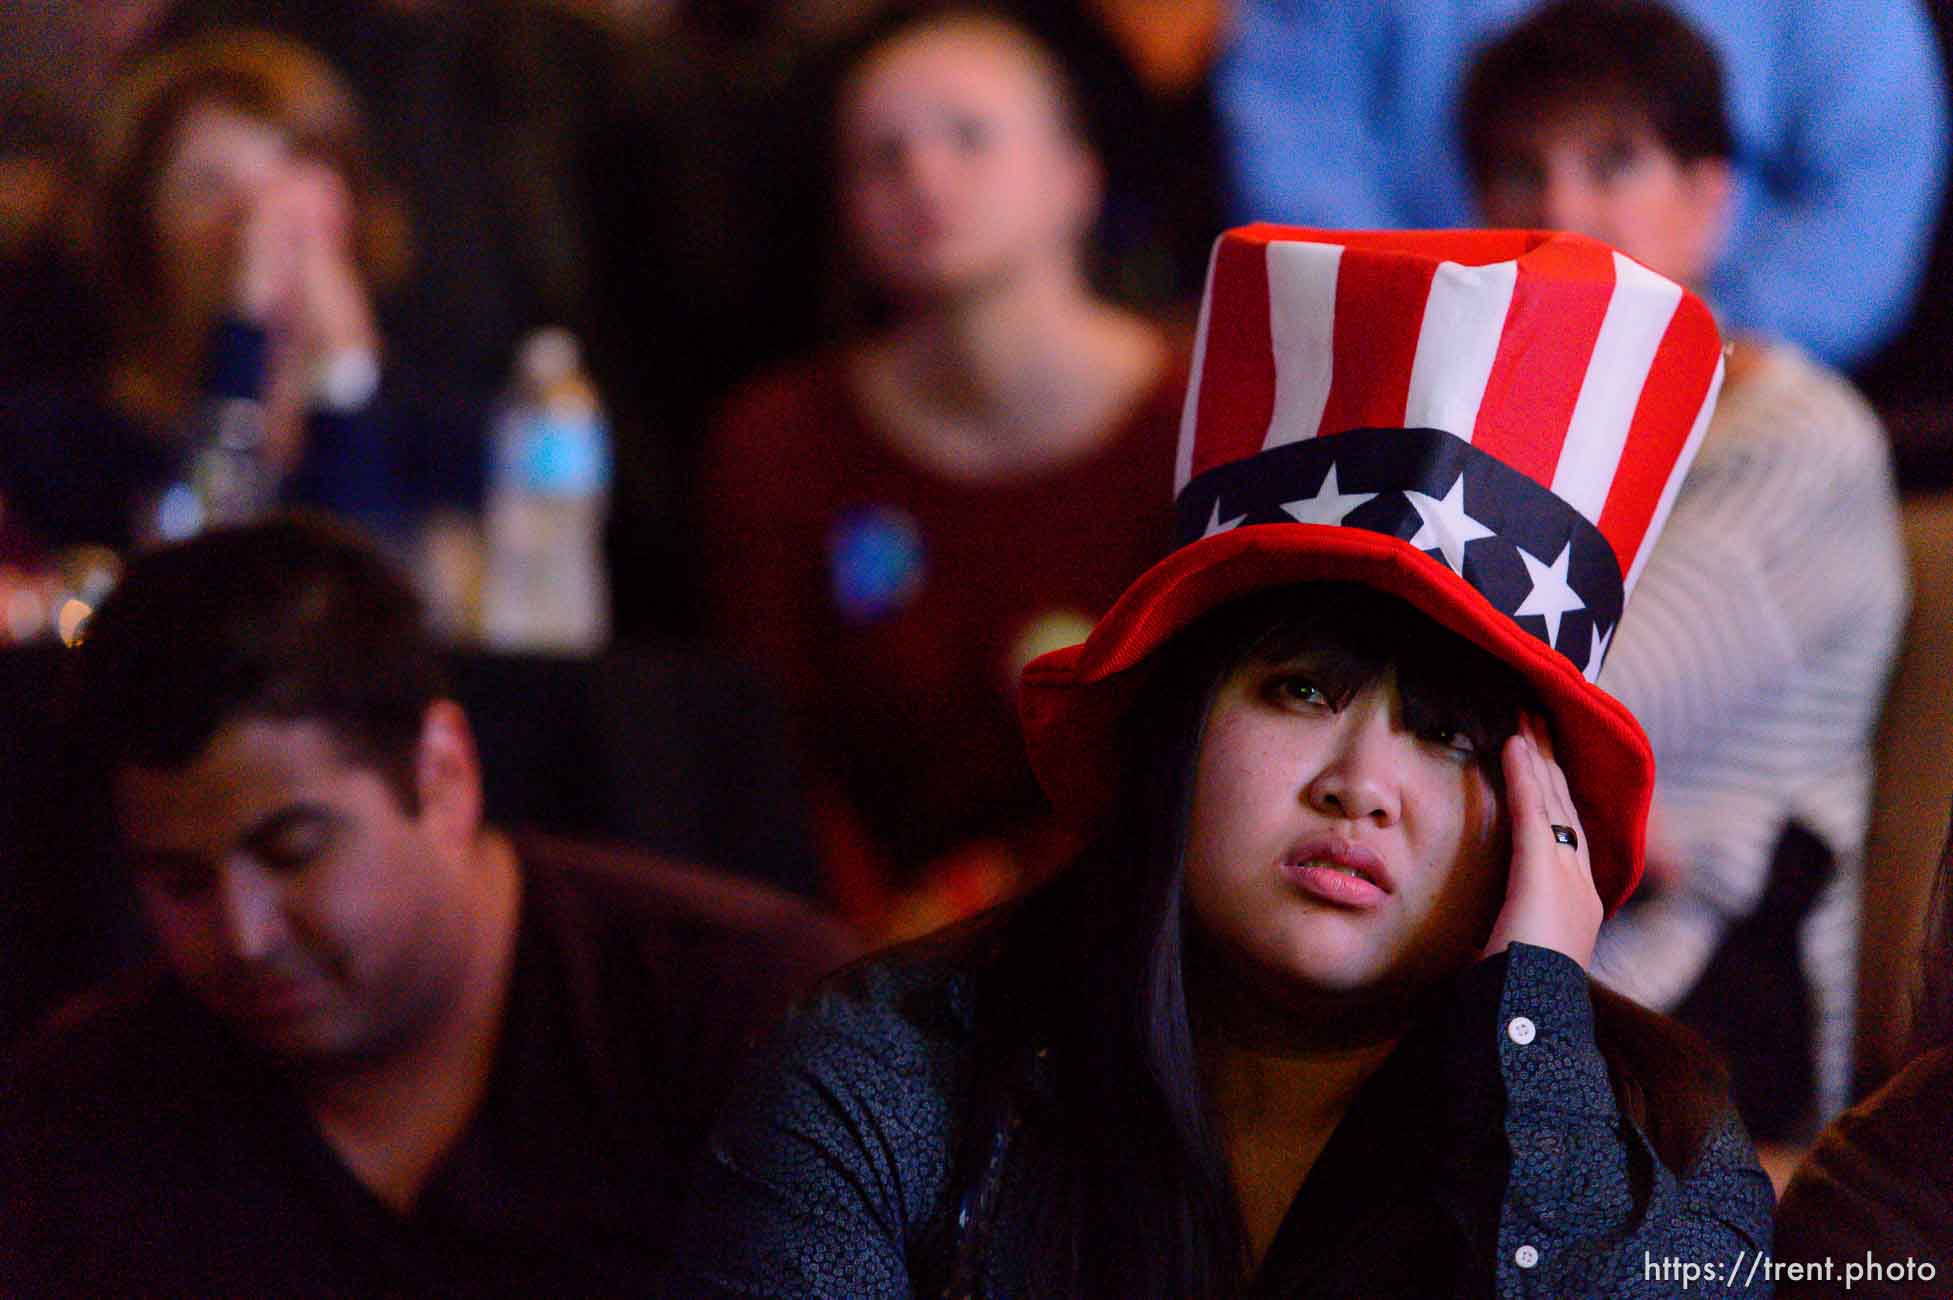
1932 1024
1089 977
1102 952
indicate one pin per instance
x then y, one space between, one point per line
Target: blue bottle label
561 456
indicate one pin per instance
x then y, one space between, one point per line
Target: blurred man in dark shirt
388 1049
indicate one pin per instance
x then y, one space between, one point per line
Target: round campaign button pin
876 562
1054 629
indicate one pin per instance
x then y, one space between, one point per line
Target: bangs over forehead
1352 635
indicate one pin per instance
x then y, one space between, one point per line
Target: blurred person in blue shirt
1342 115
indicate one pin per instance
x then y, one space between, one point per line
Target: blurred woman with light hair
242 235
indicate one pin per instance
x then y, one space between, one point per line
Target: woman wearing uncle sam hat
1309 1016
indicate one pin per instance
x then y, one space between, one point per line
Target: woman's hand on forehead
1550 899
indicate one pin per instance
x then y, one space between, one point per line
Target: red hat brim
1071 700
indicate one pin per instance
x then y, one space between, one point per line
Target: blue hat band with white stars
1537 560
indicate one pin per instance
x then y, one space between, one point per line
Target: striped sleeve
1755 652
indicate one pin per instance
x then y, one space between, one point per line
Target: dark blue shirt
1488 1156
75 470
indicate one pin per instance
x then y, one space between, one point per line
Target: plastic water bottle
548 493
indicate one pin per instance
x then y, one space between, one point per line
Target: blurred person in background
507 136
897 525
1766 621
1878 1185
1342 114
718 256
484 133
387 1049
242 234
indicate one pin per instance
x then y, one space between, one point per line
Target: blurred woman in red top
897 525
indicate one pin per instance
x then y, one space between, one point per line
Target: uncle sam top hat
1490 425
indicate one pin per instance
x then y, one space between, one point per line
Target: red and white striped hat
1491 425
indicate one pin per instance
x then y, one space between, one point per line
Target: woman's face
216 164
1336 852
957 169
